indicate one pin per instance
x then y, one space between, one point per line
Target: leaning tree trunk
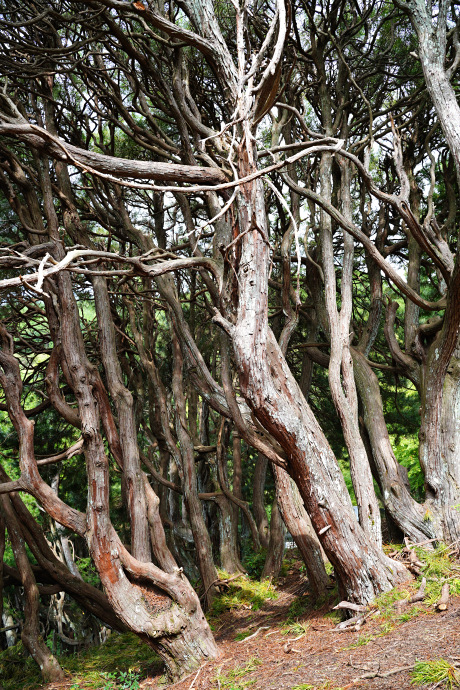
404 510
278 404
167 614
299 525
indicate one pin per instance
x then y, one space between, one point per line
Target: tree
134 171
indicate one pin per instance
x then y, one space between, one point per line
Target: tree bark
299 525
404 510
275 551
278 404
49 665
258 500
189 481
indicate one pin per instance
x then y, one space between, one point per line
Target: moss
242 593
88 669
18 669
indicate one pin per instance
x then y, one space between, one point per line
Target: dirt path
297 647
323 658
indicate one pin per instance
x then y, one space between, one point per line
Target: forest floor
295 644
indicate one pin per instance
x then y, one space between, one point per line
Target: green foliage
235 679
438 671
406 451
295 629
298 607
438 569
242 593
88 571
254 562
98 668
123 680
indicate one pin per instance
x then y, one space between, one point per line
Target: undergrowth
92 669
295 629
438 569
235 679
438 671
299 606
242 593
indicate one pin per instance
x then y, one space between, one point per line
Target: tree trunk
228 548
201 537
439 450
275 551
341 380
439 433
299 525
278 404
49 665
133 479
258 500
237 481
404 510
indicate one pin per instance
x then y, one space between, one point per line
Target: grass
243 635
385 602
235 679
92 669
299 606
438 671
295 629
438 568
242 593
361 641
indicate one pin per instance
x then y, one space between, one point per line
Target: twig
197 674
444 600
351 606
420 595
263 627
377 674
